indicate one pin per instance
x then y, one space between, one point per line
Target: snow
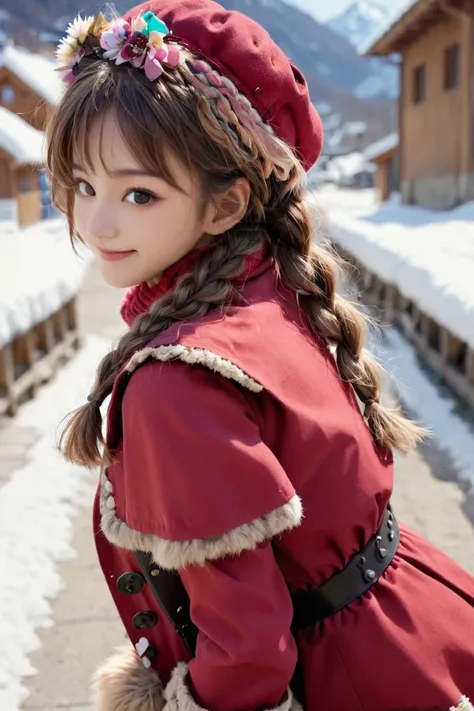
39 272
379 31
37 507
421 397
20 140
35 70
428 255
358 20
380 147
346 166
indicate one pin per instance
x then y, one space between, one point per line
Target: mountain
359 22
333 69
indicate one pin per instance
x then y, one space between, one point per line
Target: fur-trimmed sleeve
246 655
194 481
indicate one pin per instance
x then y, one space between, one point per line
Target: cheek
79 222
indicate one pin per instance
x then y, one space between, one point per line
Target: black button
131 583
144 620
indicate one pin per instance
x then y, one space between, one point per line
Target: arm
210 498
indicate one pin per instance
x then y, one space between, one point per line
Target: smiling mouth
111 256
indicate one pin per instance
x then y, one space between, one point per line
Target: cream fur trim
123 684
178 697
195 356
173 555
463 705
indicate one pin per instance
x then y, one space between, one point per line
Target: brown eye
84 188
139 197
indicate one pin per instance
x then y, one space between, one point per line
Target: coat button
144 620
131 583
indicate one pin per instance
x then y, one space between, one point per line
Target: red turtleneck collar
139 298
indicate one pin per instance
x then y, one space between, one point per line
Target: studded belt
362 571
309 606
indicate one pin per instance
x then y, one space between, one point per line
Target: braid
208 287
314 271
234 110
228 141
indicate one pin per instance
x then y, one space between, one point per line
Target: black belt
310 606
362 571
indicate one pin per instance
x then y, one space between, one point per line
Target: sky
324 10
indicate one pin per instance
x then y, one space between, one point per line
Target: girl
242 520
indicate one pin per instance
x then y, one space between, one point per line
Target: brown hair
180 113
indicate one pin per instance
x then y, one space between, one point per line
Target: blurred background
393 191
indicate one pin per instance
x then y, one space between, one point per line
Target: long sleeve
198 488
246 655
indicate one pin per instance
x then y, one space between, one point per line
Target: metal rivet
391 536
362 561
390 523
382 552
155 572
370 575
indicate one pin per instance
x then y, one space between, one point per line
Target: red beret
245 53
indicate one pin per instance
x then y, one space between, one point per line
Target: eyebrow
121 172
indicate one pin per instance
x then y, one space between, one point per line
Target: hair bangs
150 121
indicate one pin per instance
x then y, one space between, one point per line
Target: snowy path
37 508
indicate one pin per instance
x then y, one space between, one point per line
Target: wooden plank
60 324
470 365
45 335
24 355
7 379
71 310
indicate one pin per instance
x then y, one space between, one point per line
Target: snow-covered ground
37 507
428 255
39 272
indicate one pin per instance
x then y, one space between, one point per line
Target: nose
102 224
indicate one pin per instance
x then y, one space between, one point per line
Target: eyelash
152 196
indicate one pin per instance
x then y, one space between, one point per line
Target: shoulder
194 481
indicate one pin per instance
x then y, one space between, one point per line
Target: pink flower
114 39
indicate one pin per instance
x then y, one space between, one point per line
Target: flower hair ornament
147 44
250 85
140 42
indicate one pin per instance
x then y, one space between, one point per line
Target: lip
110 256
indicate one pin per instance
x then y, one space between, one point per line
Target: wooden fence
33 358
448 356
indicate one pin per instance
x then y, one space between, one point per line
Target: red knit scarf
139 298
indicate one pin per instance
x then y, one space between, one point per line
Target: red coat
218 452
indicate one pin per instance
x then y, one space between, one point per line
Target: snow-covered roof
380 31
20 140
34 70
383 146
347 166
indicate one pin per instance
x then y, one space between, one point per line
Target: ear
228 208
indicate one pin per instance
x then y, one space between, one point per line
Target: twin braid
210 285
237 113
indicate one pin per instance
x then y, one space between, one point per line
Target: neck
138 299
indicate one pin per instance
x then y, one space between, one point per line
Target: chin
118 278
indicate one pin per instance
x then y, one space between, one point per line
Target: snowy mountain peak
361 19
